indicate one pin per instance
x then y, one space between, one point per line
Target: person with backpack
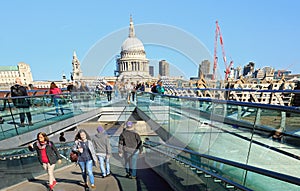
47 154
159 87
153 90
108 90
23 103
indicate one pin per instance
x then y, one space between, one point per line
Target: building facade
8 75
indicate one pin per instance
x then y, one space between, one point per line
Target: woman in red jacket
47 155
56 95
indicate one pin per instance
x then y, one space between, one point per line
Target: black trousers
108 96
22 117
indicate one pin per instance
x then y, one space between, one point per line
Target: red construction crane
227 68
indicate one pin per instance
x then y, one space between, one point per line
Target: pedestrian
154 91
142 87
56 97
103 150
159 87
130 146
122 90
83 87
108 90
116 89
87 156
47 155
62 137
75 95
1 120
128 88
84 92
133 91
23 104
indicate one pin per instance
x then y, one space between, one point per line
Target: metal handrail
272 174
226 180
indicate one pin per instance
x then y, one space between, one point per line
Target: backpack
153 89
16 91
108 88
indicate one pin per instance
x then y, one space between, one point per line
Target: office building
151 71
164 68
204 69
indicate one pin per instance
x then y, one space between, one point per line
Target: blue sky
44 34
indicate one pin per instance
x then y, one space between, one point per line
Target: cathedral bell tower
76 73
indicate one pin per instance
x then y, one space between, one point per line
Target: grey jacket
102 143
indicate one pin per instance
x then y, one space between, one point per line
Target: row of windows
8 76
8 72
8 80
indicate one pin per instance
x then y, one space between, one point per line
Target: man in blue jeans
130 145
103 150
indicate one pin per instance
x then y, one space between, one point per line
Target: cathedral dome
132 44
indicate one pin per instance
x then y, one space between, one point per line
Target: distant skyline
45 34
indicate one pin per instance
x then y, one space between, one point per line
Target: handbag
73 156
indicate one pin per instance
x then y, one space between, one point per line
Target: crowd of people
91 151
77 91
127 90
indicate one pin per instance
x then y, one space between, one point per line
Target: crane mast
227 68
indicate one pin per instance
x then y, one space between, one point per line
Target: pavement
69 179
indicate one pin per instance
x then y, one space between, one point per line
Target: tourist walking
47 155
128 88
159 87
130 146
108 90
23 104
74 93
84 91
133 91
154 91
56 96
103 150
87 156
62 138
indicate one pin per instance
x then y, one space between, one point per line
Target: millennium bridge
190 143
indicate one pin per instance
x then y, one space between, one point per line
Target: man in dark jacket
23 103
130 145
103 150
108 90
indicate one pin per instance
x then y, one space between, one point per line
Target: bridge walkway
69 177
